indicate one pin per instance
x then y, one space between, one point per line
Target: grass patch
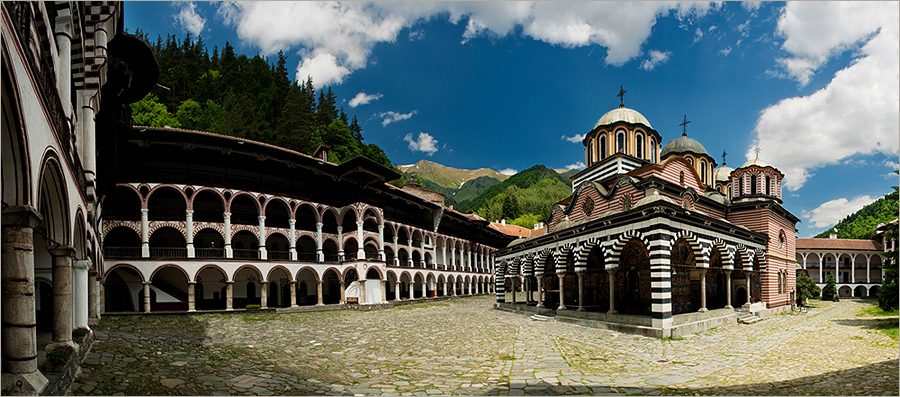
890 329
507 358
420 305
875 311
671 339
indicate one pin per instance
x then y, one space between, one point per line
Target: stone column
852 270
362 291
192 298
81 284
229 293
262 238
189 232
320 298
612 291
445 288
292 242
227 219
396 252
383 291
748 287
340 243
580 290
540 292
147 296
293 294
703 308
728 289
319 254
397 290
145 233
381 243
93 298
562 303
263 294
18 305
512 289
360 242
424 289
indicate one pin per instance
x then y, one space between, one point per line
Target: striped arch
763 263
528 265
514 270
741 252
541 257
583 251
254 199
287 205
162 186
374 214
701 257
621 242
197 191
719 245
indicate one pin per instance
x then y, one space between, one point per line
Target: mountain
448 177
568 173
861 224
522 180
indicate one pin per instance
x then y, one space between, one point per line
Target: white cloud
188 18
725 51
832 212
509 171
393 117
423 143
363 99
656 58
751 5
698 34
577 166
857 112
575 138
323 68
345 33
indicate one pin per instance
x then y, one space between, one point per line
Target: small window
639 152
620 142
703 171
653 150
781 239
740 186
681 178
603 147
768 186
592 155
752 184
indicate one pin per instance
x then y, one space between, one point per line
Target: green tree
356 130
830 290
510 207
526 220
374 153
190 115
336 134
150 112
889 293
807 288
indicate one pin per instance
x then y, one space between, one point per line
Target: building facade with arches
660 242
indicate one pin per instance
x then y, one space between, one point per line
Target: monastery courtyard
464 347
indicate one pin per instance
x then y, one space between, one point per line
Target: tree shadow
878 379
867 323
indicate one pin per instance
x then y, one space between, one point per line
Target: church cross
757 150
684 126
621 96
724 153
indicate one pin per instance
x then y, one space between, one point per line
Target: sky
508 85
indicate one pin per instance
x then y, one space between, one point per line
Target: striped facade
654 249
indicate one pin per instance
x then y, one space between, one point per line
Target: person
212 245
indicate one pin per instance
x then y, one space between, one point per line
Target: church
655 239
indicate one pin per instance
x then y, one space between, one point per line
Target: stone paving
464 347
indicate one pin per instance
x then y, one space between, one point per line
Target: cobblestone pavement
464 347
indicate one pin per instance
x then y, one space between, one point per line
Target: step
538 317
749 320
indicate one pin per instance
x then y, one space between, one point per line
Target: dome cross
684 126
757 150
621 96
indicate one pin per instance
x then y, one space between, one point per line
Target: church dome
757 162
723 173
623 114
683 145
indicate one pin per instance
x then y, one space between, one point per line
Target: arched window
752 184
768 186
681 178
740 186
652 150
639 147
690 160
703 171
603 147
620 141
781 239
592 155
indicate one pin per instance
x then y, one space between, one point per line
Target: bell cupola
756 180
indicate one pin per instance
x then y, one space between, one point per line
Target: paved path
464 347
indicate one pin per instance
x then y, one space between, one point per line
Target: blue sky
507 85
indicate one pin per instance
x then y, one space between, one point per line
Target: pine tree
830 290
356 131
807 288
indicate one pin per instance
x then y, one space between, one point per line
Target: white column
409 260
469 260
192 298
444 255
146 297
360 243
229 294
868 279
396 252
381 242
453 258
263 294
80 283
292 242
821 267
852 269
397 290
88 144
189 231
227 218
562 302
320 299
145 233
340 242
262 238
319 254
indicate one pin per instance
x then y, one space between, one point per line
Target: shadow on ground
879 379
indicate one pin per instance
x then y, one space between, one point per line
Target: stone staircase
538 317
747 317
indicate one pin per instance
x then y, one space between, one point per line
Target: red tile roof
516 230
838 244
